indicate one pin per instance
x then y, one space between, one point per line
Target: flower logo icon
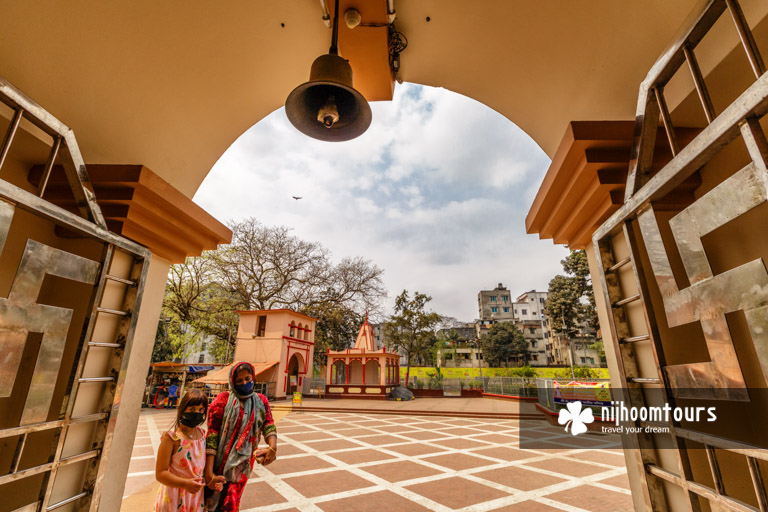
575 417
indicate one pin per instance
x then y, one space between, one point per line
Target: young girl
181 458
239 418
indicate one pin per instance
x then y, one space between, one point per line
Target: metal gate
451 387
633 233
65 327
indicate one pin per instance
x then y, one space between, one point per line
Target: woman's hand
270 454
193 485
216 483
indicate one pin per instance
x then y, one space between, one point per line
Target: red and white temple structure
362 371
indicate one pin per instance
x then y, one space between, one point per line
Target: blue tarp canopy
199 368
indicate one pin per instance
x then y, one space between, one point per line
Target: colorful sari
235 425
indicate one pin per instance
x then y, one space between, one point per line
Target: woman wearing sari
237 420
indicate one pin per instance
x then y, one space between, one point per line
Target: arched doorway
372 369
339 373
295 365
356 372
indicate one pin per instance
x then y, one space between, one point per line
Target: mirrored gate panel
69 298
687 286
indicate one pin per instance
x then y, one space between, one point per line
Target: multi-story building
530 306
495 305
534 333
562 350
465 332
378 334
526 311
462 355
199 352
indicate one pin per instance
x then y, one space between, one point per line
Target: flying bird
296 198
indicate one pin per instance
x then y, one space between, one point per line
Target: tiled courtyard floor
350 462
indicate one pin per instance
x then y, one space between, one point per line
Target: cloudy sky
435 193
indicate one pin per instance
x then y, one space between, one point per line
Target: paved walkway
370 462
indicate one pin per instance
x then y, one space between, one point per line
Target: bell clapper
328 113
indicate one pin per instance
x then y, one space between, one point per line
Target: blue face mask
244 389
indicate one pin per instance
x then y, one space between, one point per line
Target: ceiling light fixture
328 107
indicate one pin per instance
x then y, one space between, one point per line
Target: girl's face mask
192 419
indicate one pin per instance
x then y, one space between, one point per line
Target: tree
268 268
336 328
162 350
197 306
410 331
450 341
502 342
571 300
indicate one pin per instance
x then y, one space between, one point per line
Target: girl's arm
162 472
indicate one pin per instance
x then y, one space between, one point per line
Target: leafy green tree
571 300
502 342
447 343
585 372
162 350
410 331
598 345
524 371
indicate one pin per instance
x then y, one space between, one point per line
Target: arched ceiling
172 84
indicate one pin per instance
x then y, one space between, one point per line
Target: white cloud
435 192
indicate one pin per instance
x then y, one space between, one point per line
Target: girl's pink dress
187 462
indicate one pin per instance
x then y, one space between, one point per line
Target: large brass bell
328 107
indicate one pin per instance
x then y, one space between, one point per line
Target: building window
534 344
532 299
201 359
583 360
534 357
493 298
261 326
532 330
448 357
504 298
494 310
525 311
506 310
479 355
541 299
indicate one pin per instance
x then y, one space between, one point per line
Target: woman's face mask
244 389
192 419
